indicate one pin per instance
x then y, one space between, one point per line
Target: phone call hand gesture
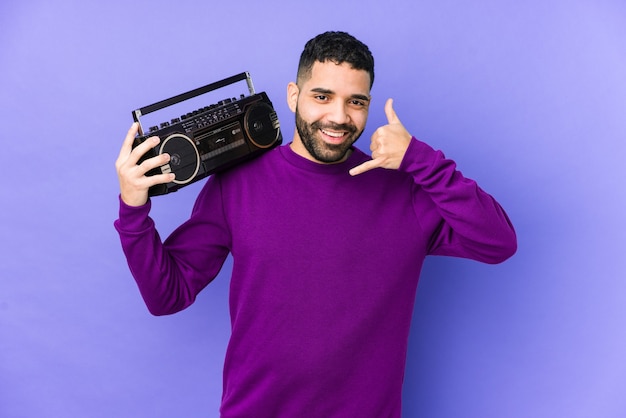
134 183
389 144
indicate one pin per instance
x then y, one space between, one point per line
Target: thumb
392 117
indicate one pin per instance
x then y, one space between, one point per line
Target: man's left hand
389 144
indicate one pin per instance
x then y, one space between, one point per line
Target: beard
320 150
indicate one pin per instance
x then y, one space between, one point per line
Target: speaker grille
185 159
261 124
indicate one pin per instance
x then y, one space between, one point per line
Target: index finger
127 145
366 166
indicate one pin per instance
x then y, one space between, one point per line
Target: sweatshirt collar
355 158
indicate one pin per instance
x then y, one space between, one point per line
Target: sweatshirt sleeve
170 274
471 223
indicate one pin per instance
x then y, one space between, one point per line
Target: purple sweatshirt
325 270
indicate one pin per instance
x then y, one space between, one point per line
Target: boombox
211 138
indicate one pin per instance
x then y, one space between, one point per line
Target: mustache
334 126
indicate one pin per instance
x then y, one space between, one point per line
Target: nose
338 113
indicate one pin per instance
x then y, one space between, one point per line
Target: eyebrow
330 92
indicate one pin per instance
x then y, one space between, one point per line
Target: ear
292 96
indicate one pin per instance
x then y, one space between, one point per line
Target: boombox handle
192 93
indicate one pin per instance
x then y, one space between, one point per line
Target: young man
327 246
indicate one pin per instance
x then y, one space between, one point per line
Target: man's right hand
134 183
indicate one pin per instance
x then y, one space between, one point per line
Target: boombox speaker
211 138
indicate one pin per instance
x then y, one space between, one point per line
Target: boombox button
166 169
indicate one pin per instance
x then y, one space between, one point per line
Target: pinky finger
161 179
366 166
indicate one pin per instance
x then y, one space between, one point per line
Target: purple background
528 97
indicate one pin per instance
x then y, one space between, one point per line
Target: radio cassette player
211 138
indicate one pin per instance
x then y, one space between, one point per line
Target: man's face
331 108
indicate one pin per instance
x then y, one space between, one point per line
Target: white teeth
333 134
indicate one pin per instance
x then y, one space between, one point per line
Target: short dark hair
338 47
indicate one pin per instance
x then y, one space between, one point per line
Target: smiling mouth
334 135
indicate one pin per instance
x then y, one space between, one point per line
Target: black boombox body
211 138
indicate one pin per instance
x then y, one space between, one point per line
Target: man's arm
472 224
169 274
